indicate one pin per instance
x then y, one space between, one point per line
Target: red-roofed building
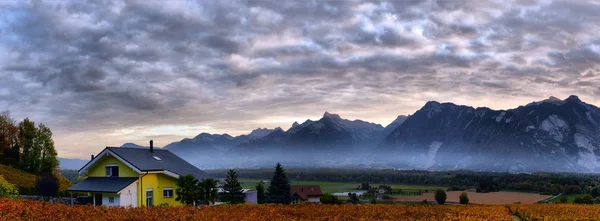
306 193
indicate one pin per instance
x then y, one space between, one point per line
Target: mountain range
549 135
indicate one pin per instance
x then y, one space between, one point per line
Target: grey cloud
99 67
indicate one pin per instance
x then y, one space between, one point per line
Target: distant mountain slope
390 127
543 136
548 135
71 164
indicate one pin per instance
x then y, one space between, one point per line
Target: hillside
550 135
26 181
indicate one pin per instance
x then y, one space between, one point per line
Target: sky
102 73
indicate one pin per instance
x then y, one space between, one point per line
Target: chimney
151 146
92 156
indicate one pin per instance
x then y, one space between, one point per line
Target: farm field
478 198
332 187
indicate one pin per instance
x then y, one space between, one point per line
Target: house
251 195
120 176
306 193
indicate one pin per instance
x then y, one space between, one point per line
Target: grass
570 198
25 182
333 187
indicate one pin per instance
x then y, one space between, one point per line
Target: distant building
380 193
306 193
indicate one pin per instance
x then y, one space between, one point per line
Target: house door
149 200
98 199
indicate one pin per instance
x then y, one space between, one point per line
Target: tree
585 199
9 140
353 198
463 198
47 186
279 189
208 191
328 198
44 139
233 192
260 193
440 196
187 191
30 157
595 192
563 199
364 186
7 190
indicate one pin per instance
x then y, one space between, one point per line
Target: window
149 193
111 200
112 170
168 192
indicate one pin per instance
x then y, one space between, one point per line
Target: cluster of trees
545 183
190 191
27 146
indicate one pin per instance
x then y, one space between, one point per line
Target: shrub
7 190
328 198
585 199
563 199
463 198
440 196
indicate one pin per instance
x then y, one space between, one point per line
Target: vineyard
556 212
35 210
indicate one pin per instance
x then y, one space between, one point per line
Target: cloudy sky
101 73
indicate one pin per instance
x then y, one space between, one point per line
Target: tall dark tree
32 152
208 191
279 189
233 192
47 186
187 191
44 139
260 193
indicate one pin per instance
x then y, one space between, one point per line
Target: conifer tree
233 192
260 193
279 189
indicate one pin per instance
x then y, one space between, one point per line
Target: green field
333 187
571 197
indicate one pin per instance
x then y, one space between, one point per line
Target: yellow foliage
36 210
7 189
26 181
556 212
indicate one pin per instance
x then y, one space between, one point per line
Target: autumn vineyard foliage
556 212
36 210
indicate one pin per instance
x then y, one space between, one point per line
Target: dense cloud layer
102 73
